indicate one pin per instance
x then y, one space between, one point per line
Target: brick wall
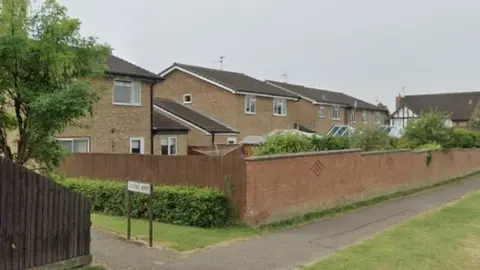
285 186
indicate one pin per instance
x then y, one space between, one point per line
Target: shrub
369 139
430 147
181 205
429 128
462 138
330 143
285 143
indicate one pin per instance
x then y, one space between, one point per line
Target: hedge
180 205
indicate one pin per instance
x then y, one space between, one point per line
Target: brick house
247 105
328 108
461 107
124 122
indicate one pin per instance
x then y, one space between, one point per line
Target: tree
47 79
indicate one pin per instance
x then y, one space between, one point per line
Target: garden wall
283 186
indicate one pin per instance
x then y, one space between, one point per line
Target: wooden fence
197 170
41 222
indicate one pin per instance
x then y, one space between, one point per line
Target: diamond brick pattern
317 167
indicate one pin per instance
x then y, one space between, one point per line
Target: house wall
284 186
401 117
111 126
181 143
370 119
225 106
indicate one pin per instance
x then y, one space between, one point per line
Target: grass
92 268
445 239
183 238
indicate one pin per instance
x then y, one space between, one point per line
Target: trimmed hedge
180 205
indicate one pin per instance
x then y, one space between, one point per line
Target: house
461 107
328 108
243 103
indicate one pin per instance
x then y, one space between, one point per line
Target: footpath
287 249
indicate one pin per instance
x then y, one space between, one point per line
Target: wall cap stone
303 154
384 152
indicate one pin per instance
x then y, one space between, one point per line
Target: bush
285 143
330 143
369 139
429 128
181 205
462 138
430 147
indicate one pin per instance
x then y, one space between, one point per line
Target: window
364 117
232 140
187 99
169 146
321 112
352 116
279 107
75 145
126 92
341 130
377 117
250 104
137 145
336 112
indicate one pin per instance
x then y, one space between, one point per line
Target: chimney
398 102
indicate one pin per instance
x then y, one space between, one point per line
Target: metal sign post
144 189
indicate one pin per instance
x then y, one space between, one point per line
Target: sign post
143 188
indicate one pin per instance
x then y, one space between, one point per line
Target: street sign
145 189
139 187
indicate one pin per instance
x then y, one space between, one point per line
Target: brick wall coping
303 154
385 152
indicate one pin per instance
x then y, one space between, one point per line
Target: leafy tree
47 78
429 128
372 138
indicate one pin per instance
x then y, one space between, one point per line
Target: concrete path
287 249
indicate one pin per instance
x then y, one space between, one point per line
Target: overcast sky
367 48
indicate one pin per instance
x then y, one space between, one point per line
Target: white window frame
364 116
142 144
352 116
187 102
377 118
337 108
232 140
284 110
321 111
78 138
249 100
169 144
132 83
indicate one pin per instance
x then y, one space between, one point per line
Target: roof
460 105
162 123
303 128
253 139
118 66
238 83
193 117
326 96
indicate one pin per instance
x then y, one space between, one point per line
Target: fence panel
37 224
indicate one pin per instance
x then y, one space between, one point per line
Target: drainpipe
213 138
152 131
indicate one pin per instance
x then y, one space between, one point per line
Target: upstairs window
352 116
336 112
75 145
364 117
279 107
187 99
321 111
377 117
126 92
250 104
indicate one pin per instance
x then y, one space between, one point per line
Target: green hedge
181 205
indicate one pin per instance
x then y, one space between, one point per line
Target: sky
370 49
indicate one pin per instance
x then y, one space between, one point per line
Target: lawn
176 237
445 239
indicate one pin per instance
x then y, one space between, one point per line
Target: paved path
287 249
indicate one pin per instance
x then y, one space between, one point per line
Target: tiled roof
162 123
238 82
188 114
118 66
320 95
460 105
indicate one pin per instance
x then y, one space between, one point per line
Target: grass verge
444 239
183 238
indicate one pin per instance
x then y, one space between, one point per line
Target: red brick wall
282 187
